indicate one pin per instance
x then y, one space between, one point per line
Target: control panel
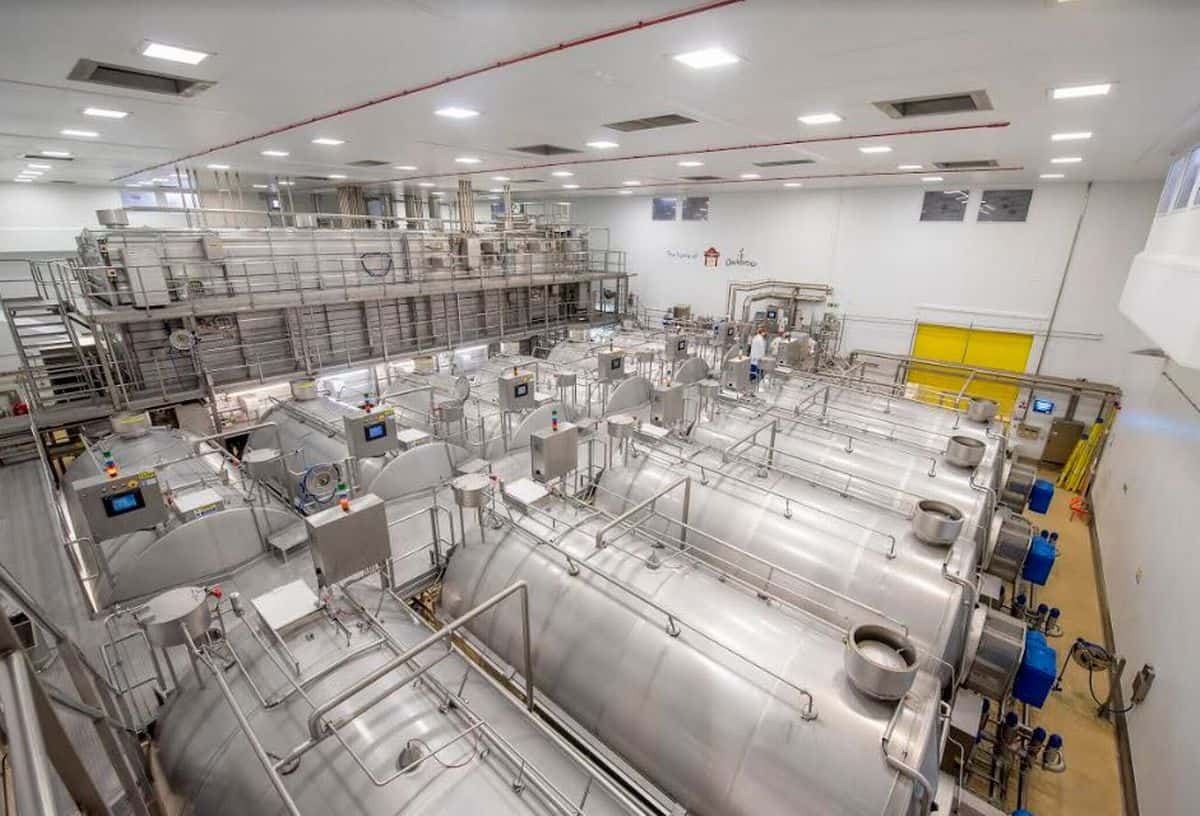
675 347
118 505
553 451
610 365
348 538
737 375
516 390
371 433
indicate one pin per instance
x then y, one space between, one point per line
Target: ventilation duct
650 123
545 150
968 164
134 79
964 102
783 163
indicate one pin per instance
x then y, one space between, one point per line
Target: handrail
926 794
686 481
808 713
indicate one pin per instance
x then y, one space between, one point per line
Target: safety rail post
686 481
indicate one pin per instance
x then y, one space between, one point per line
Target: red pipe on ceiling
701 151
587 39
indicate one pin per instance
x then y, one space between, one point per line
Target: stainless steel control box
727 333
553 453
610 365
344 542
122 504
666 405
516 390
737 375
675 347
371 434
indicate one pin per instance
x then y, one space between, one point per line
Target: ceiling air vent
1150 352
367 163
544 150
970 164
61 181
527 181
700 178
650 122
782 163
965 102
44 157
134 79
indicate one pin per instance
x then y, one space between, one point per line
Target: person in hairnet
758 350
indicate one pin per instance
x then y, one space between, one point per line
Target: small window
1187 181
945 205
139 198
180 200
1164 200
695 209
1004 205
663 209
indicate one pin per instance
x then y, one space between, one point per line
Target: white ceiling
277 63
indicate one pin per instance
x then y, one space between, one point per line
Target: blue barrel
1040 496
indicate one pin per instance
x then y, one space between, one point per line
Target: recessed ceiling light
496 190
690 163
286 183
602 144
570 186
1074 136
793 184
501 178
336 176
908 167
39 166
425 184
563 203
632 183
707 58
1067 160
218 167
276 153
438 193
173 53
32 173
323 140
261 186
932 178
163 180
457 113
85 134
105 113
57 154
820 118
20 180
1051 175
1077 91
468 160
406 167
875 149
562 173
625 192
750 176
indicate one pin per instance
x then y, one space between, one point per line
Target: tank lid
129 425
304 389
880 662
982 410
936 522
965 451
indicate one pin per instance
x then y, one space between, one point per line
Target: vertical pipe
1062 282
27 749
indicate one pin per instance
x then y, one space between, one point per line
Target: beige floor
1091 784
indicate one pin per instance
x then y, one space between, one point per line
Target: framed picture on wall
663 209
695 208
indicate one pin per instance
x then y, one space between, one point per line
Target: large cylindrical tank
693 698
845 559
208 762
197 541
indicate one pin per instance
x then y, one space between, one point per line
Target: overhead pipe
566 45
794 289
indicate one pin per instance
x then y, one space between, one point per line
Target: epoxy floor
1091 784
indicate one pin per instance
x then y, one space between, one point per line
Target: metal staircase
59 362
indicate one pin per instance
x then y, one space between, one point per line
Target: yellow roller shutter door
1008 351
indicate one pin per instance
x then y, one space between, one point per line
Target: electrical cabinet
610 365
115 506
666 405
737 375
348 538
516 390
145 277
371 434
553 452
675 347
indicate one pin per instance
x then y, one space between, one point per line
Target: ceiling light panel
405 167
1080 91
457 113
39 166
562 173
707 58
932 178
218 167
1067 160
1051 175
468 160
325 140
275 153
105 113
632 183
793 184
1072 136
57 154
690 163
750 176
875 149
819 119
570 186
173 53
83 134
602 144
908 166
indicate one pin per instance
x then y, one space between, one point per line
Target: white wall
1144 497
889 269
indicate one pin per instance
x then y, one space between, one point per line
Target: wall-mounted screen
119 504
1043 406
521 390
375 431
615 364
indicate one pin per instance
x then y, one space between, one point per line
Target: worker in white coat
758 350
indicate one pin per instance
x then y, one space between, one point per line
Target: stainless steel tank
225 527
700 686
